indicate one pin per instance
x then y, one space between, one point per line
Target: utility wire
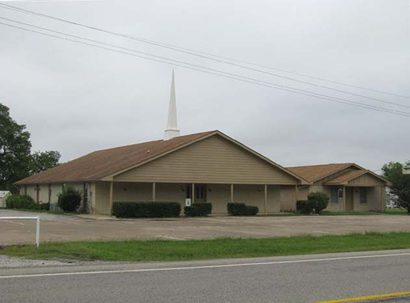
160 59
221 59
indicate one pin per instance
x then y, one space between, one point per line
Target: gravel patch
14 262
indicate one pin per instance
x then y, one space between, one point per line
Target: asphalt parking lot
71 227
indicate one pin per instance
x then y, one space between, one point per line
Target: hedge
20 201
198 209
241 209
304 207
25 202
146 209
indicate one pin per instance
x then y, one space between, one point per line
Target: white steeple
172 127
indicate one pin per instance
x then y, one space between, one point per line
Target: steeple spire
172 126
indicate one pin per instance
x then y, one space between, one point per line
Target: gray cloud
76 99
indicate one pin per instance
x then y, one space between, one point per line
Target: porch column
296 194
154 196
266 199
193 193
232 200
344 198
111 194
382 198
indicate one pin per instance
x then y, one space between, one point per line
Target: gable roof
102 163
346 177
109 162
315 173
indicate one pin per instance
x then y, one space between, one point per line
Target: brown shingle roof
102 163
346 177
314 173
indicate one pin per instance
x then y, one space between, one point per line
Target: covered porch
267 197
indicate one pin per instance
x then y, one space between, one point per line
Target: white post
28 218
38 232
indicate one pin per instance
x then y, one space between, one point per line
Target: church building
203 167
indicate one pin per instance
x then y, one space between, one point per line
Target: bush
241 209
20 201
69 199
198 209
44 206
146 209
319 201
304 207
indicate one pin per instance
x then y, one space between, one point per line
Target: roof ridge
324 164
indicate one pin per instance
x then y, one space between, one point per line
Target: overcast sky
77 99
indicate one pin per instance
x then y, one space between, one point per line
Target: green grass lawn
159 250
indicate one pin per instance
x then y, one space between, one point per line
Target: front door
349 198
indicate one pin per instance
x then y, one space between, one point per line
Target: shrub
20 201
319 201
146 209
304 207
44 206
241 209
69 199
198 209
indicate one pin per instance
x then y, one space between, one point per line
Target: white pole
28 218
38 232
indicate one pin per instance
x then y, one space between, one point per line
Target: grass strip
172 250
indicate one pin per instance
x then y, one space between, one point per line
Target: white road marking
120 271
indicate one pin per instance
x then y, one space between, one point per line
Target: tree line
17 161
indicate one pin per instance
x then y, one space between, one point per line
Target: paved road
67 228
285 279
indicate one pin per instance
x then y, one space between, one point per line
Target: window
334 195
363 194
199 191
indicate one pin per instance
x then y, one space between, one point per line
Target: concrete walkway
71 228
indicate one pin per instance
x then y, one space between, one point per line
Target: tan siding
375 199
213 160
287 198
219 195
31 191
366 180
43 193
101 196
132 192
255 195
56 189
170 193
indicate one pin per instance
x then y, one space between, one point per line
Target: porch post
193 193
266 199
344 198
232 200
154 196
296 192
111 194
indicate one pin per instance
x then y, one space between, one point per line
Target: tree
43 160
14 150
16 162
393 171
